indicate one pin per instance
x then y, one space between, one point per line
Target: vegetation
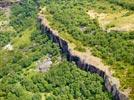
128 4
19 75
6 31
64 80
116 48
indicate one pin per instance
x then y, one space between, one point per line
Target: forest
128 4
19 75
116 48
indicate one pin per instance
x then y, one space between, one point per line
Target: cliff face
110 86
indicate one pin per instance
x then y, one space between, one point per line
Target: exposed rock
8 47
45 65
80 61
7 3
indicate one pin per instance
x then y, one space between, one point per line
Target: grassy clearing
117 21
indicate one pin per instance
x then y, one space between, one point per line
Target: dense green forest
19 75
115 48
128 4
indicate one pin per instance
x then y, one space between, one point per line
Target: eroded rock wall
112 88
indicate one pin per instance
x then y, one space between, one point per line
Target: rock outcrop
7 3
80 62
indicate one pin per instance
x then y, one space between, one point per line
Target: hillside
33 67
86 34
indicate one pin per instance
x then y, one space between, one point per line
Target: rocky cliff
80 62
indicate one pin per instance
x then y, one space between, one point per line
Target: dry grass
119 21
